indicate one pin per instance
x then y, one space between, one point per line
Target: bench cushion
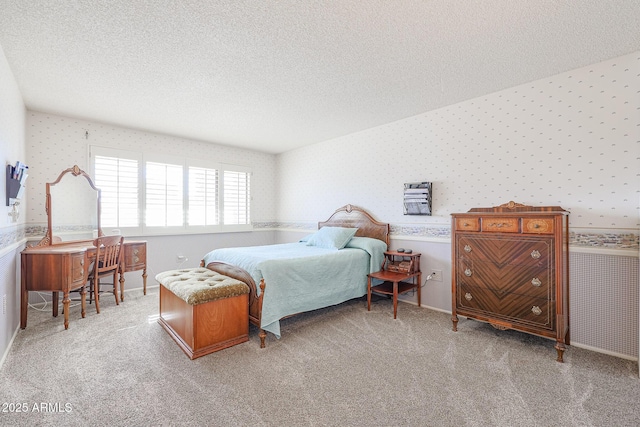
200 285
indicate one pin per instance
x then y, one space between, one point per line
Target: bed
325 268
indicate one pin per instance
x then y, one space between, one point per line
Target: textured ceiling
273 75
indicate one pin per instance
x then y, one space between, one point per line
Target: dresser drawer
502 225
135 256
532 251
538 225
468 224
78 268
513 308
507 279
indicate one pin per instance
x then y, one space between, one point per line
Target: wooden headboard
355 217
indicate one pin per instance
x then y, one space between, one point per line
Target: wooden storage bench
202 310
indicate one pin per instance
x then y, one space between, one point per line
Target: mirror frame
48 240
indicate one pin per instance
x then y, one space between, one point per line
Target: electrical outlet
436 275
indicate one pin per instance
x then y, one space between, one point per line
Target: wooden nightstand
400 273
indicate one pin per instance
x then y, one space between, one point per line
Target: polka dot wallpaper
572 140
55 143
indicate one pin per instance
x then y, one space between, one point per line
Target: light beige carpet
340 366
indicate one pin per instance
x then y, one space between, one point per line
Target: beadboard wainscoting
603 302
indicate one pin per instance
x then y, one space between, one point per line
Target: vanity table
61 261
65 267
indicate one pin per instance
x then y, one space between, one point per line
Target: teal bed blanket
302 278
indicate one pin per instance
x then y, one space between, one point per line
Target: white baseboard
6 353
573 344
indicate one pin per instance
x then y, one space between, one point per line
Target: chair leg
96 291
121 287
115 288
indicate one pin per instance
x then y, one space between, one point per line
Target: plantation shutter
116 174
203 197
164 195
236 198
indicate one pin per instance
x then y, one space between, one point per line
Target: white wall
572 140
55 143
12 119
569 140
12 147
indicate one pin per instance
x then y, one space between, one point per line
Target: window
164 195
236 198
171 195
203 197
117 175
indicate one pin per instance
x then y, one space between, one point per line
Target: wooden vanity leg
83 301
121 286
65 307
54 303
560 348
144 280
262 334
369 293
454 319
24 299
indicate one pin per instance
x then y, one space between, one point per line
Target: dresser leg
560 348
454 319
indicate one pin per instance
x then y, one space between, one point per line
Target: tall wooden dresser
511 269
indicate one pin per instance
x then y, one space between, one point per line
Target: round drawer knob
467 248
536 282
468 296
135 252
536 310
535 255
136 259
468 272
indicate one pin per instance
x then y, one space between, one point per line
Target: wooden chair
109 253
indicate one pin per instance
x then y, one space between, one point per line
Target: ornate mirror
73 208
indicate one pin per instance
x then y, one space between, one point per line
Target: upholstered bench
202 310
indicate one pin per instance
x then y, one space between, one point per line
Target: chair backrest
108 254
